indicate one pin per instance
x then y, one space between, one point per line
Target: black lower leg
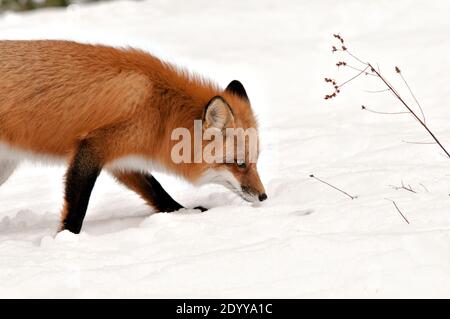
159 197
163 201
150 189
80 180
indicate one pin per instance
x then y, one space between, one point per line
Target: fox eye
241 165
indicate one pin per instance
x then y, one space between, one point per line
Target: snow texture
307 240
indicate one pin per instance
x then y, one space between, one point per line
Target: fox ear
218 113
235 87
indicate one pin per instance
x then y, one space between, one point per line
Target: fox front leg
80 180
150 190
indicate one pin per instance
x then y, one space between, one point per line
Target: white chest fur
13 154
138 163
135 163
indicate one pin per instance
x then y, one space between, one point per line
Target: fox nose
262 197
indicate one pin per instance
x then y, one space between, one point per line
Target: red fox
102 108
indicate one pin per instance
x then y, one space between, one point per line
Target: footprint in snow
303 212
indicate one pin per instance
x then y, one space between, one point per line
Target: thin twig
359 70
343 47
338 189
378 112
412 94
418 142
406 188
356 58
398 209
351 79
410 110
354 68
377 91
424 187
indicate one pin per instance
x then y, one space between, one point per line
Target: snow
307 240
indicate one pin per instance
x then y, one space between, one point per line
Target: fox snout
245 183
252 187
252 195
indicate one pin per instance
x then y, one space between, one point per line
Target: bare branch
398 209
351 79
418 142
406 188
356 58
359 70
373 71
426 189
377 91
338 189
412 94
377 112
390 88
410 110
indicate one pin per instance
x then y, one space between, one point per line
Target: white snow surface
307 240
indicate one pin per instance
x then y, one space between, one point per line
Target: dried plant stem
421 143
355 57
398 209
338 189
414 97
378 112
354 68
377 91
409 109
372 71
426 189
359 70
406 188
351 79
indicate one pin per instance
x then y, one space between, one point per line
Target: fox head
228 119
